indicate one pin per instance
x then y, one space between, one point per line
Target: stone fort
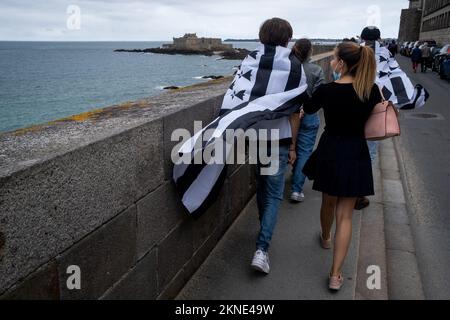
190 41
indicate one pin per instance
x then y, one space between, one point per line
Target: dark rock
168 51
129 50
171 88
212 77
236 54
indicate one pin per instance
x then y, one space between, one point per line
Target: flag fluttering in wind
395 84
270 84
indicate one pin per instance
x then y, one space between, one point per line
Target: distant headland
317 40
190 44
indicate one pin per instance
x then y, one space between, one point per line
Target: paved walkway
424 147
299 266
382 236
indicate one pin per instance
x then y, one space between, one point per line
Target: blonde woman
341 166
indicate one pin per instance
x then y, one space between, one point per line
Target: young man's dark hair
275 32
371 34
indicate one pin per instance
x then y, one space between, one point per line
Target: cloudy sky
147 20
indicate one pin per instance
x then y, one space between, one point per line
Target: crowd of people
420 56
341 165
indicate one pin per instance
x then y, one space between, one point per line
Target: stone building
436 21
426 20
190 41
410 22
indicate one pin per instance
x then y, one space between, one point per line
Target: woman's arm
314 103
295 121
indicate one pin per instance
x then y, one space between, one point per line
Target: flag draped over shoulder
270 84
395 84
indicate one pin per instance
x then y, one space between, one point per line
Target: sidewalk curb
372 247
403 275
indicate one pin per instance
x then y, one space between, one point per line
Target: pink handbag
383 122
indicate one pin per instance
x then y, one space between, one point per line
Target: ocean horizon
41 81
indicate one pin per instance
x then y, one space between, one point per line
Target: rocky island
190 44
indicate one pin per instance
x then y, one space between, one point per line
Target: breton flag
395 84
270 84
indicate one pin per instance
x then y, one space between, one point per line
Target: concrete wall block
184 119
138 284
203 252
203 227
174 251
40 285
103 257
147 156
237 162
214 217
251 185
47 208
218 104
157 214
175 286
239 190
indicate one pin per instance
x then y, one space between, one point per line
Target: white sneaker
261 262
297 197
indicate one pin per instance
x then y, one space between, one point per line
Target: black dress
341 165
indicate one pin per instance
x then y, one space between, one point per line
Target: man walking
416 58
426 53
393 48
394 83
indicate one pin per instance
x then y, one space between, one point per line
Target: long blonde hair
361 64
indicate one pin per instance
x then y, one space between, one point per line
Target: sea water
44 81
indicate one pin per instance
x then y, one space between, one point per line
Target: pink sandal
336 282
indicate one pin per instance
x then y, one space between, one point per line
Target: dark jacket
416 55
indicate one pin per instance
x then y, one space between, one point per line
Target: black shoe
362 203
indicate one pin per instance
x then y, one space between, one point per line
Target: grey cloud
162 19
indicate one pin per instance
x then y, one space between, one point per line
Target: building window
434 5
441 21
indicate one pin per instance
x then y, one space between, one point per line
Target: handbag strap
383 99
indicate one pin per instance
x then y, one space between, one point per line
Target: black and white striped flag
394 83
420 97
269 85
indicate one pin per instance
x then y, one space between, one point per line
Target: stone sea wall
94 191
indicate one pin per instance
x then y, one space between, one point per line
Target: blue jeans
373 149
306 140
269 194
